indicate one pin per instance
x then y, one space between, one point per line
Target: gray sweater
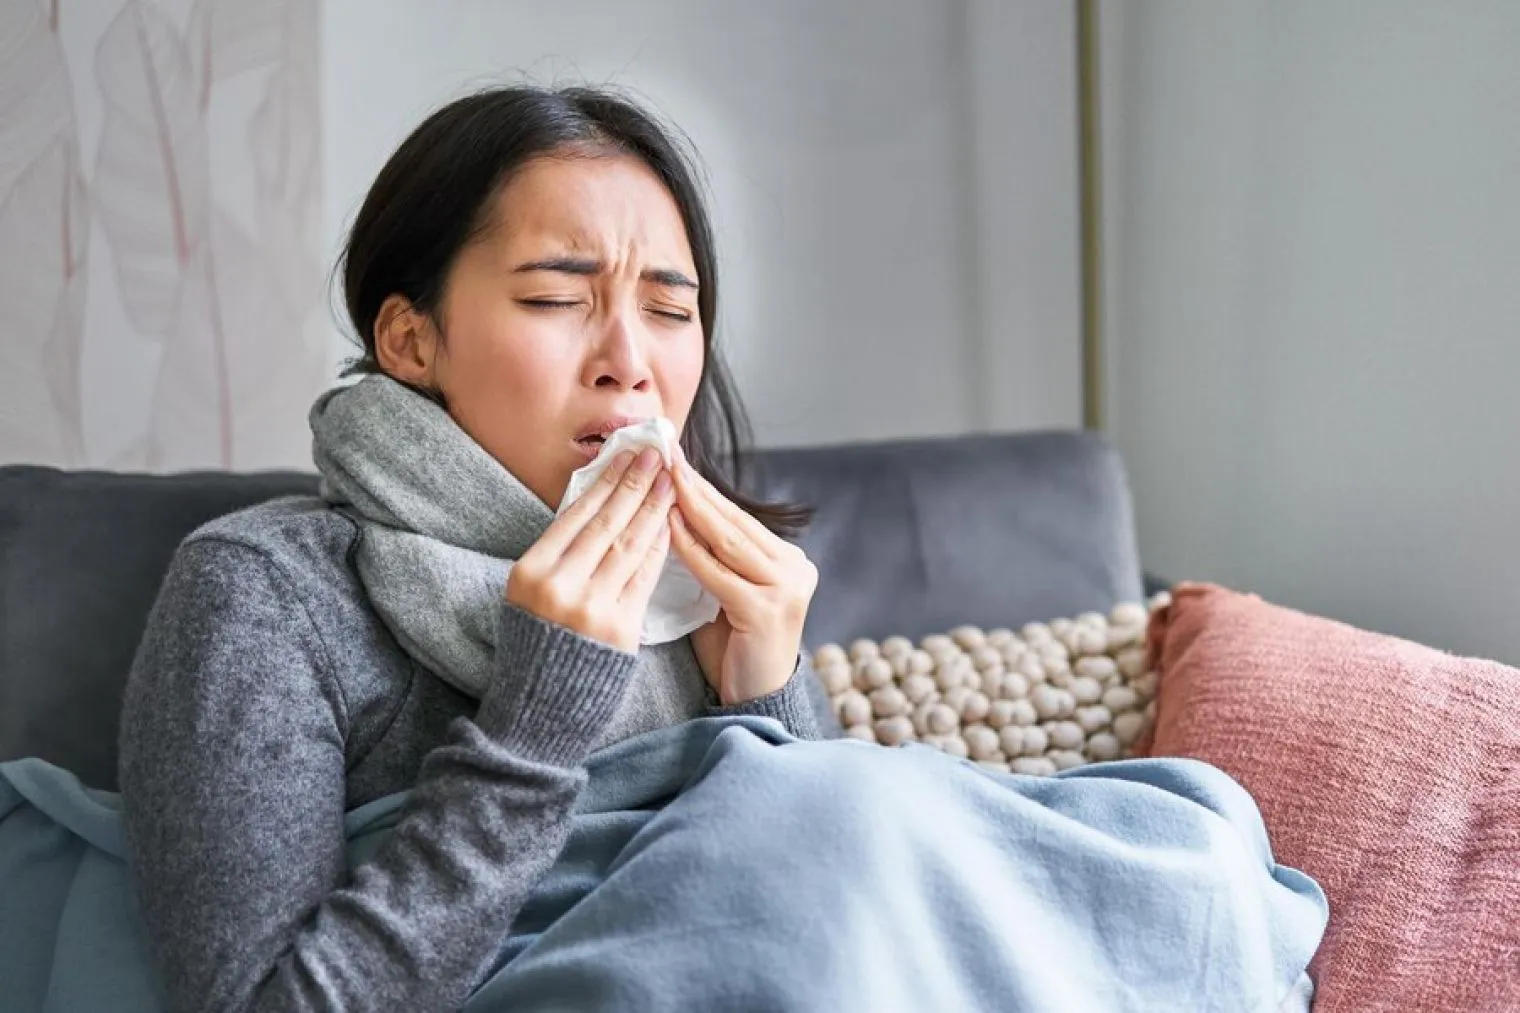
266 699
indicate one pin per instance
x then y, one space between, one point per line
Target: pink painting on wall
217 274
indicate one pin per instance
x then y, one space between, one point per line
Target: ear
406 342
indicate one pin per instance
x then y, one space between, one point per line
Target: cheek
680 372
506 381
509 353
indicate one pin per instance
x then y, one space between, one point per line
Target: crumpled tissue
679 603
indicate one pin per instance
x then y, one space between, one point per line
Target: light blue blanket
722 865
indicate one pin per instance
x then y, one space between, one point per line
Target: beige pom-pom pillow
1034 701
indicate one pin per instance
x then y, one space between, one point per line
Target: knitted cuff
552 690
791 705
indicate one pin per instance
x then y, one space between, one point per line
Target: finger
692 486
561 532
626 553
729 508
689 480
597 534
711 572
725 539
641 584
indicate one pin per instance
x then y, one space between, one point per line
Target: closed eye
679 316
669 312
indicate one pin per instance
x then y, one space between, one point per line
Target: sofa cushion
915 537
81 558
1388 771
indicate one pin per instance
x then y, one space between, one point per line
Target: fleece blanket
721 864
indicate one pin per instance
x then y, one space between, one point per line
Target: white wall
1023 212
894 183
1313 285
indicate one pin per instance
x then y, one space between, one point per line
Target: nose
620 359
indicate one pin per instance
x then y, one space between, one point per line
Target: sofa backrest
917 537
910 537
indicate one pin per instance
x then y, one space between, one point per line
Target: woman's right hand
595 566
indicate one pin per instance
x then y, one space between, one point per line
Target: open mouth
594 437
590 446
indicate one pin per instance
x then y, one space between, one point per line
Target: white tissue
679 604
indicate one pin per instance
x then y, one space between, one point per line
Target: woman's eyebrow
668 276
589 268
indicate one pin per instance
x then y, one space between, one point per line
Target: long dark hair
435 195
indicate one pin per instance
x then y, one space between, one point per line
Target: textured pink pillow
1388 771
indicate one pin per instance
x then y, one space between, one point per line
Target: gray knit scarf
441 522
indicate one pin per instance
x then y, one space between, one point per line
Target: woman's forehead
605 206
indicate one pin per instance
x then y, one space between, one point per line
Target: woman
530 270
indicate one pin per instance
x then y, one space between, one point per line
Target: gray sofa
910 537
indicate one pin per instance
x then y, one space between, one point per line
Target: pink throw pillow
1388 771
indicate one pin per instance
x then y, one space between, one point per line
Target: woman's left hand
763 584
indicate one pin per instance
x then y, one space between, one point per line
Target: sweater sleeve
794 704
232 776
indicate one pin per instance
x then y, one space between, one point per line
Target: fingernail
662 484
648 458
622 460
